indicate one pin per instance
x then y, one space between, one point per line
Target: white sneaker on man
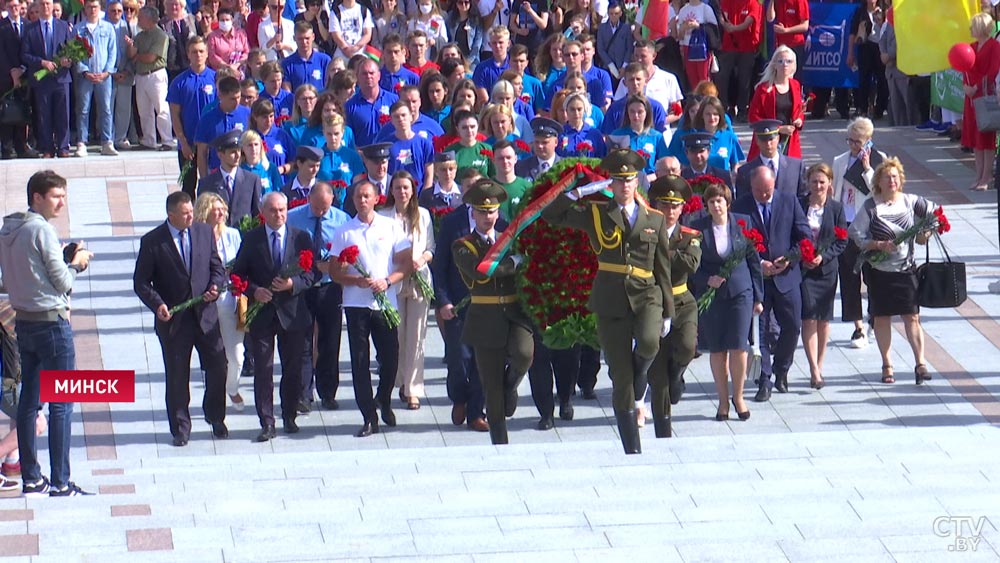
81 150
108 149
858 339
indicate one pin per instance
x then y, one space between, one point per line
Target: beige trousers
412 332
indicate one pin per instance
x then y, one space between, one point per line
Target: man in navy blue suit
697 146
11 29
780 219
40 42
789 170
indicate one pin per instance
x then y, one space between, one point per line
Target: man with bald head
780 219
266 255
668 166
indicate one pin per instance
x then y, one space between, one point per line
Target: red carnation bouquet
701 182
303 264
750 241
487 153
383 119
643 154
584 148
839 233
298 202
676 108
693 204
437 215
237 286
805 251
280 120
76 50
349 256
934 222
522 147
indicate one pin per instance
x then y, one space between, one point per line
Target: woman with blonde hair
302 106
497 122
549 65
402 206
579 139
892 283
255 160
210 208
503 93
779 96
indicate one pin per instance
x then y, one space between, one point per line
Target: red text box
87 386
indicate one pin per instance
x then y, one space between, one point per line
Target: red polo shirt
790 13
737 11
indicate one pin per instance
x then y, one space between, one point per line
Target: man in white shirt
662 86
384 254
351 26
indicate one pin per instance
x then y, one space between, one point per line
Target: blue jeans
102 98
44 346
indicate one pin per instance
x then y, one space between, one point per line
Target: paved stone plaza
859 471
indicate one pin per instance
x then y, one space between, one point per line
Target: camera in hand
69 251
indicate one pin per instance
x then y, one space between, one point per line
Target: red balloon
962 57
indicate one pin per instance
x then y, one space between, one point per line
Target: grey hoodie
32 266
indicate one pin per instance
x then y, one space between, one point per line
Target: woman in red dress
779 96
979 83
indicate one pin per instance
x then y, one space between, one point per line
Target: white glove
516 259
666 328
584 191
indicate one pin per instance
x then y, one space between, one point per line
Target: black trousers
177 349
590 366
920 93
191 178
822 102
871 75
735 73
290 342
14 139
463 382
364 324
325 305
781 323
562 366
850 284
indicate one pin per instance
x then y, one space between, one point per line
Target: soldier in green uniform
495 326
669 194
631 295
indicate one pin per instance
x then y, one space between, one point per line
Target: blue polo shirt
616 113
192 92
437 116
534 90
313 137
214 123
403 76
282 102
270 179
570 138
363 116
487 73
344 164
424 126
524 109
302 218
298 71
280 147
411 155
598 85
651 142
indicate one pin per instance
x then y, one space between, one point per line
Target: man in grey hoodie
39 280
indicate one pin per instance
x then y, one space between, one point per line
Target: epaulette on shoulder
690 231
653 210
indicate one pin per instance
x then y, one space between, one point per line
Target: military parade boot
661 426
676 375
510 383
640 374
498 432
628 429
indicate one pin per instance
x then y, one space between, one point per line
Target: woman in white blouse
276 34
413 306
210 208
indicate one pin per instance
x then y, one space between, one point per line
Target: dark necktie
317 236
185 255
48 39
276 250
229 187
626 221
766 215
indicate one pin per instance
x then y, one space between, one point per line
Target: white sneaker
81 150
858 339
124 145
108 149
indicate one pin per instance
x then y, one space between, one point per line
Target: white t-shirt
702 13
266 32
662 87
351 25
377 243
502 17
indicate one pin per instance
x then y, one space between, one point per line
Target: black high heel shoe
745 415
920 374
721 416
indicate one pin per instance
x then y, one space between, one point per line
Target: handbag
987 113
698 45
940 285
14 109
242 304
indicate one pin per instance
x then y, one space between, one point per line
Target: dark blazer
689 174
428 199
528 168
791 176
476 37
254 264
246 193
160 277
449 288
744 277
788 227
10 52
33 51
615 47
833 216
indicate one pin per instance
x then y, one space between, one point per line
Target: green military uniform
495 326
631 295
678 347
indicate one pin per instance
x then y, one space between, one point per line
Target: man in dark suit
615 41
267 255
307 161
40 42
13 138
464 387
544 155
696 146
237 187
376 160
177 261
789 170
780 219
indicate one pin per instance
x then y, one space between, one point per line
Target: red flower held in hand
299 202
807 250
643 154
349 255
584 146
742 224
306 260
521 146
237 285
840 233
383 119
676 108
487 153
381 201
693 204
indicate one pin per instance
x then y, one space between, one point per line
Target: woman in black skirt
892 282
738 297
819 276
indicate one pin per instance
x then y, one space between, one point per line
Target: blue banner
826 46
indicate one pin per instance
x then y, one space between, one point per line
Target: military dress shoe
566 410
370 427
781 382
763 391
303 407
266 433
458 414
29 153
180 441
589 394
219 429
479 425
510 400
330 404
290 427
546 423
388 417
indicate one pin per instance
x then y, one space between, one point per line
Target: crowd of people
406 133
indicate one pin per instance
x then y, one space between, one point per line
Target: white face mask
425 9
226 26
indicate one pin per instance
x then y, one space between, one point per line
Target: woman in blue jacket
637 133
